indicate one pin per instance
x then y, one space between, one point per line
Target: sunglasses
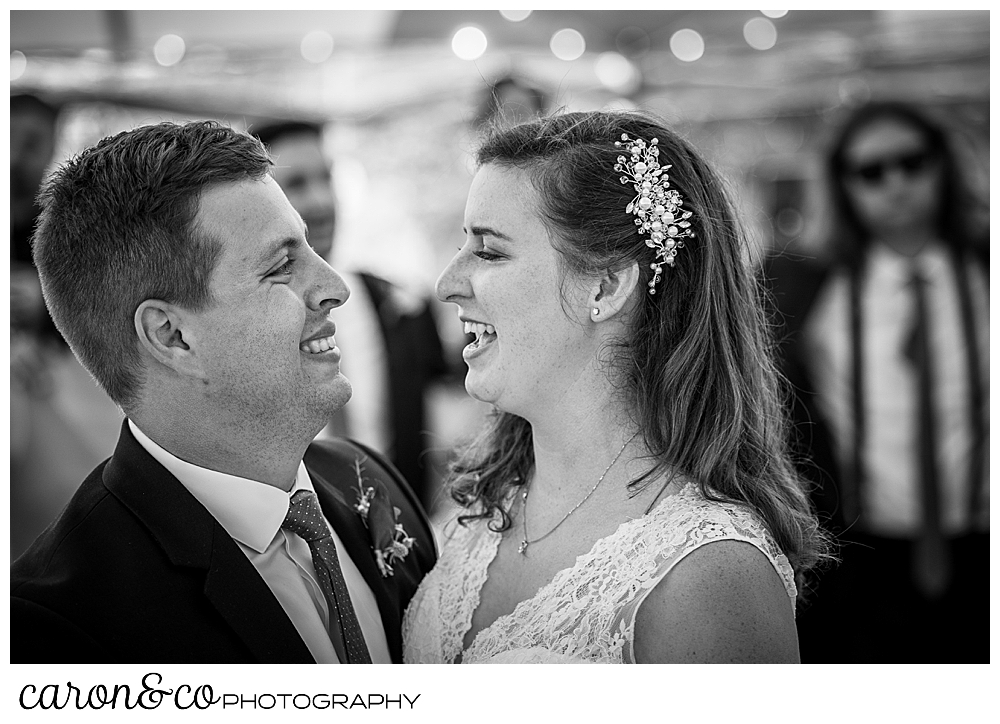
911 164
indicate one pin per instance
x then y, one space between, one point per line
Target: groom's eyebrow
487 231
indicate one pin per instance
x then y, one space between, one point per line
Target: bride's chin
474 394
475 390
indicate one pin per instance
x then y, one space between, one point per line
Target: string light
616 72
18 64
774 13
687 45
567 44
515 16
469 43
169 49
317 46
760 33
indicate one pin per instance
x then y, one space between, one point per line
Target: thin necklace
523 547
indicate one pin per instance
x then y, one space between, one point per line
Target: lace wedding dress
586 613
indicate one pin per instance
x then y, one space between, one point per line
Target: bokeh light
789 222
567 44
18 64
469 43
617 73
169 49
774 13
515 16
317 46
687 45
760 33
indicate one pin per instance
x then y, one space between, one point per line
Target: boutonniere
388 537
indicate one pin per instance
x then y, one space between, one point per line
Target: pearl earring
597 312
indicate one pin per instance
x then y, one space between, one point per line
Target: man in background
392 351
55 407
885 339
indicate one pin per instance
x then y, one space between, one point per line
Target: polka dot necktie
305 519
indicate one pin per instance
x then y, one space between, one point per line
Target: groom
181 277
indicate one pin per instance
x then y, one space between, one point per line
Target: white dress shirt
891 495
252 513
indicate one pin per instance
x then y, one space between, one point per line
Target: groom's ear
612 290
164 334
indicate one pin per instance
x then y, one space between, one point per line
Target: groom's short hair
117 228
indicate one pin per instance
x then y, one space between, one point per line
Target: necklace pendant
523 548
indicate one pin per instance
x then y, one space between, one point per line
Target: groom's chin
335 396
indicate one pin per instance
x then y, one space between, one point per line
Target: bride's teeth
315 346
478 329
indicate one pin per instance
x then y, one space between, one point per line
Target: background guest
886 338
510 100
55 407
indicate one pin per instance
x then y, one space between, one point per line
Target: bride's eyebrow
487 231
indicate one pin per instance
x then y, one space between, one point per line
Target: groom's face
266 342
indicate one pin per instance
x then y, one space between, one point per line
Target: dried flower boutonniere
388 537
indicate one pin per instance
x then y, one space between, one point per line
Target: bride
630 499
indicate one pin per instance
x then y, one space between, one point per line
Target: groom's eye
285 270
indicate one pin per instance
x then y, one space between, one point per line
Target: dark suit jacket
135 569
415 359
794 283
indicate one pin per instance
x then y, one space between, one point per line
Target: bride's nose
453 284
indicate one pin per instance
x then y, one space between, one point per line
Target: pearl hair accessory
656 205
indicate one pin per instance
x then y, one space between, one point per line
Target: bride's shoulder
724 590
722 602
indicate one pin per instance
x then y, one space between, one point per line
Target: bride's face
531 339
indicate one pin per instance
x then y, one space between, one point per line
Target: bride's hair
694 369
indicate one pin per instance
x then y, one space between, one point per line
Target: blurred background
400 96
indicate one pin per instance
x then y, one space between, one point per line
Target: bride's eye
487 255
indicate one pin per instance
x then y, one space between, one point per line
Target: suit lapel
249 607
191 537
354 535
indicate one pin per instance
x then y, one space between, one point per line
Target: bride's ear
611 292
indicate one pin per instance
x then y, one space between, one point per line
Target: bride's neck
575 454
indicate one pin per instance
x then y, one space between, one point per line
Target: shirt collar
250 511
932 257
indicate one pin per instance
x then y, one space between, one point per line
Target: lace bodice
586 613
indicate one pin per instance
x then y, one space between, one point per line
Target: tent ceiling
249 62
